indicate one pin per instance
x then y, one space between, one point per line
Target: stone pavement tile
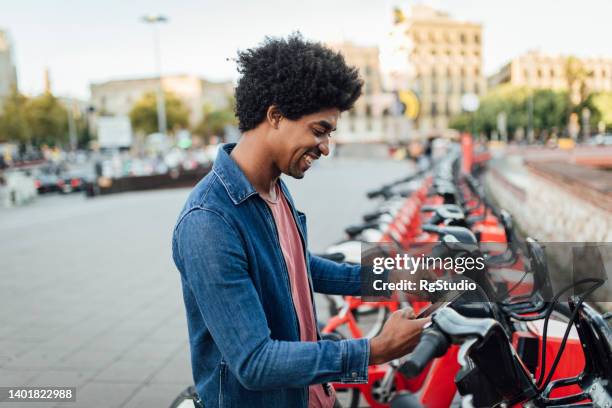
155 396
6 329
102 395
68 341
13 348
11 377
147 350
131 325
27 405
126 371
176 371
113 341
87 359
168 334
36 359
36 333
62 378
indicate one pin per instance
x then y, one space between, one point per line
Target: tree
47 120
214 122
550 110
13 121
602 102
576 75
144 113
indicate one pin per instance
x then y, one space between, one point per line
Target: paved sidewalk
90 297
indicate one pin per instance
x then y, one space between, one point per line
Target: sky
91 41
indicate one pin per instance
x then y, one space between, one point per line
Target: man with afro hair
241 245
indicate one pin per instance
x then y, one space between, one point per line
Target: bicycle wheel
371 319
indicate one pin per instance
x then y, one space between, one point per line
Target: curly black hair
298 76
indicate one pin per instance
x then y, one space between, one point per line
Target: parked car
46 182
75 180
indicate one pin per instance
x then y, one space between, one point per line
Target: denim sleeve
333 278
215 266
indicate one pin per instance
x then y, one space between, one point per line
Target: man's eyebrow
328 126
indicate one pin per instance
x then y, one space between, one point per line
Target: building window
477 38
434 109
477 71
462 38
476 88
368 111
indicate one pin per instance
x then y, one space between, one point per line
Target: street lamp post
161 103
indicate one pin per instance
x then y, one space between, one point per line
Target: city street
91 298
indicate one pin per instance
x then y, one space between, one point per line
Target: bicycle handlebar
355 230
433 344
336 256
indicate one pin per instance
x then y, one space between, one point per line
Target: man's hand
399 336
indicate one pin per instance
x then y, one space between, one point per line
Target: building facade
445 57
371 119
537 70
118 97
8 70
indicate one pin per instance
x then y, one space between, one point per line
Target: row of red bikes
515 341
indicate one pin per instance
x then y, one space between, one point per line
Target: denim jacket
243 328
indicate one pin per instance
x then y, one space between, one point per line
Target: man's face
298 143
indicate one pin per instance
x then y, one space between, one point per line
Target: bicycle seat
444 212
461 234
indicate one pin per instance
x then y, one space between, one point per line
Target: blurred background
110 112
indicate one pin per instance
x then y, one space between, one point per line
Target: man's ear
274 116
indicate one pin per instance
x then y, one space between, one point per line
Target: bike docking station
510 323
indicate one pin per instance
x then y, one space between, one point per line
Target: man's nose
324 146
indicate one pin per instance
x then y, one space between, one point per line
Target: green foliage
144 113
47 119
461 122
215 121
602 103
13 121
550 110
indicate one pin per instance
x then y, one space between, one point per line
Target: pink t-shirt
293 252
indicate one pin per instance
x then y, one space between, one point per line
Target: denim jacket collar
238 187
